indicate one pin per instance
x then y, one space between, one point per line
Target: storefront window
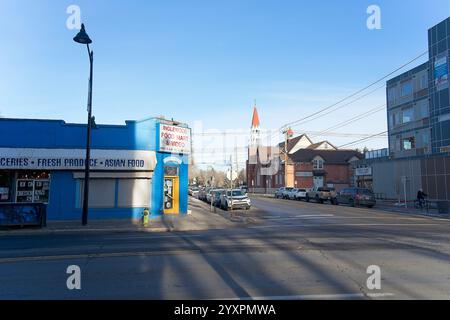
32 190
33 186
5 187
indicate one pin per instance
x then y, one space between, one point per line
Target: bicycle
421 204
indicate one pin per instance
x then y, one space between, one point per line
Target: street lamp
83 38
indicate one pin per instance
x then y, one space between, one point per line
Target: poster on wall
174 139
441 73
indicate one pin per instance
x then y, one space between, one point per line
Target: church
297 162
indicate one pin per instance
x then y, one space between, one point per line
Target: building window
33 186
423 109
406 89
423 81
133 193
408 143
6 182
317 164
392 94
407 115
426 139
101 193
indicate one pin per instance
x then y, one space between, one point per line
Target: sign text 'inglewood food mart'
174 139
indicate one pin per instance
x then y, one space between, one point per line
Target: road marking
98 255
345 224
299 216
154 237
317 296
293 218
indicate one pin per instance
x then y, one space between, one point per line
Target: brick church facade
306 165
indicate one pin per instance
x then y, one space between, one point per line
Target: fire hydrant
145 214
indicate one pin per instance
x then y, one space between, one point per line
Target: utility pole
287 133
231 181
212 193
285 157
236 158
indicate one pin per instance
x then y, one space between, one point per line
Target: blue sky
208 60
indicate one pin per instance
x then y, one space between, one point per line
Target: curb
26 232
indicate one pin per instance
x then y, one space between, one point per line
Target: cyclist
421 198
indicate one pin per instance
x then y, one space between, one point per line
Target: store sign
174 139
441 73
363 171
74 159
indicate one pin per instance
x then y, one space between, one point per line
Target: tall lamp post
83 38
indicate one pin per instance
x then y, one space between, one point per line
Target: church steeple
255 132
255 118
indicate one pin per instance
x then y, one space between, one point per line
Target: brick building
308 164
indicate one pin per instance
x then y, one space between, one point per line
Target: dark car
356 197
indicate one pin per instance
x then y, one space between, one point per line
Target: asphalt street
284 250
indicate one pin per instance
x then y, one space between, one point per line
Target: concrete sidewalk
199 219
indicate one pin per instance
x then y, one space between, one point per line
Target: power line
363 139
338 107
355 93
356 118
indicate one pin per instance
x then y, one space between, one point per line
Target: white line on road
155 237
298 217
344 224
318 296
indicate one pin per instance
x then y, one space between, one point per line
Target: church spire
255 118
255 132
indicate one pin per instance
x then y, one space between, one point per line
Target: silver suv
236 199
283 192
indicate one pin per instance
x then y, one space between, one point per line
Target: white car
300 194
236 199
291 193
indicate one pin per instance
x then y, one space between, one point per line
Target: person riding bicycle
421 197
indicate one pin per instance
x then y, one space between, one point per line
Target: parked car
235 199
203 192
283 192
356 197
216 196
291 193
209 194
321 194
279 192
193 191
300 194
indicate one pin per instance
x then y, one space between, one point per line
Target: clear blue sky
207 60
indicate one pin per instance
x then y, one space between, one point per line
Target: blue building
142 164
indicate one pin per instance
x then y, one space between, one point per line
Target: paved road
291 250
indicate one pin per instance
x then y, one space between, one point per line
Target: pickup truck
321 194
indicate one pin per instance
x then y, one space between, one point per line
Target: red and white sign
174 139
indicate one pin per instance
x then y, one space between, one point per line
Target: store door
171 195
